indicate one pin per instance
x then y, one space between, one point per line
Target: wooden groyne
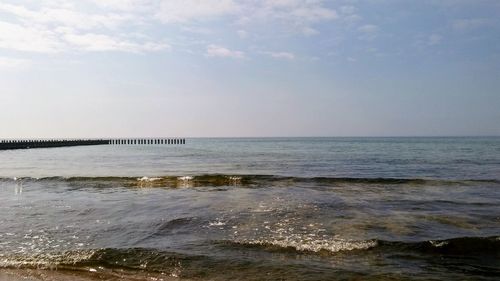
37 143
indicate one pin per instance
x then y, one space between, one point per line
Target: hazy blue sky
249 68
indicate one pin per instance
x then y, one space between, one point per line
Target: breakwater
45 143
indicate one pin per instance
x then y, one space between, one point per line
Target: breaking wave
463 246
157 260
239 180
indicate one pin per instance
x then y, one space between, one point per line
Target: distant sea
254 209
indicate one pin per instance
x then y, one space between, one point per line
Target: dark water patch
171 225
461 246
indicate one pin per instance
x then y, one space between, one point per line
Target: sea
400 208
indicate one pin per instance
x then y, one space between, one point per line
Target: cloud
305 11
298 14
368 28
348 14
126 5
49 29
470 24
30 39
218 51
281 55
242 34
198 30
434 39
309 31
54 26
101 42
348 10
182 11
368 31
13 63
66 17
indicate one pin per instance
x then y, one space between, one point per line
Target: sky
249 68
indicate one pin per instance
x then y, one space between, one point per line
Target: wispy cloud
53 26
13 63
470 24
29 39
219 51
175 11
51 29
100 42
281 55
135 6
66 17
299 15
243 34
348 13
368 31
434 39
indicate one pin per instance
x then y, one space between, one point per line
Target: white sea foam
438 244
216 223
46 260
313 245
185 178
147 179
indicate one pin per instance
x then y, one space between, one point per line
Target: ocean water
254 209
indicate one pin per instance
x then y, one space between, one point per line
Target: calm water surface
254 209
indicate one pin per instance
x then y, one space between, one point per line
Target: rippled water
254 209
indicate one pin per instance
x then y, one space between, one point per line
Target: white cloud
49 29
13 63
348 10
307 11
126 5
309 31
100 42
470 24
31 39
368 28
300 15
281 55
51 26
198 30
352 18
175 11
368 31
218 51
348 14
66 17
434 39
242 34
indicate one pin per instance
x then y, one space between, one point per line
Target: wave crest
318 245
464 246
239 180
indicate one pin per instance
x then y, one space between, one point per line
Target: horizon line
253 137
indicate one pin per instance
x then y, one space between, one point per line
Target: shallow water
254 209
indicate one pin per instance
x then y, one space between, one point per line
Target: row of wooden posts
146 141
28 143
